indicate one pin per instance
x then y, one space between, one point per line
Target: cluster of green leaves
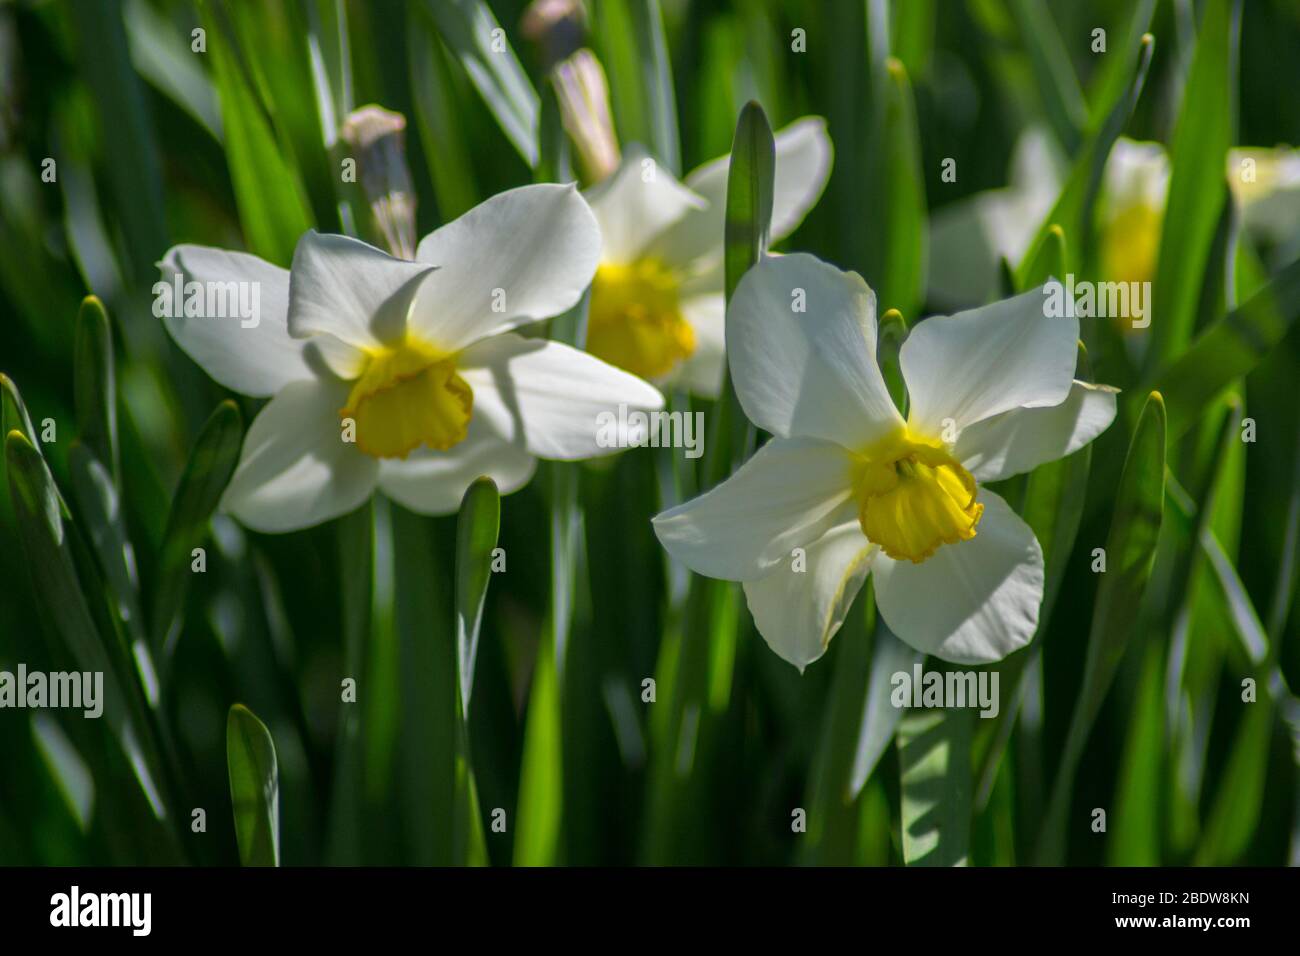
510 717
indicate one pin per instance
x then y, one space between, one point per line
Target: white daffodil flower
1266 186
1135 185
969 237
404 375
657 301
846 486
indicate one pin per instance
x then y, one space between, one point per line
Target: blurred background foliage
237 147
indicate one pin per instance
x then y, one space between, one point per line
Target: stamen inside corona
407 396
913 497
635 320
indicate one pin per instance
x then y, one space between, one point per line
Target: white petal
258 360
524 255
1024 438
972 602
636 204
295 470
790 493
550 398
969 237
702 372
350 290
980 363
798 612
814 372
1136 173
434 482
803 165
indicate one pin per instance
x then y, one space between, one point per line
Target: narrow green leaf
437 116
69 613
630 37
1048 259
700 679
1053 507
1229 349
902 283
356 557
1235 812
254 788
554 164
100 509
95 385
880 718
541 779
330 53
476 539
832 816
269 193
1054 76
1072 211
160 51
1116 69
935 786
1202 134
750 185
132 165
1130 551
1134 836
212 462
13 411
751 178
473 36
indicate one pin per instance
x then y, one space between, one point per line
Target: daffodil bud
557 27
583 94
377 138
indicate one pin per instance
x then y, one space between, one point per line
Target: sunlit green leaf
935 786
1197 188
476 539
254 788
472 34
635 56
1129 553
269 192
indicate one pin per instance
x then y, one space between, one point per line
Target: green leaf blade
476 539
254 787
211 464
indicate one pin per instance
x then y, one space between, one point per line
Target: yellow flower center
635 320
913 497
1130 243
407 396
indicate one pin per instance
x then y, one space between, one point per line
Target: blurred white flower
970 236
657 300
1266 186
404 375
846 486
